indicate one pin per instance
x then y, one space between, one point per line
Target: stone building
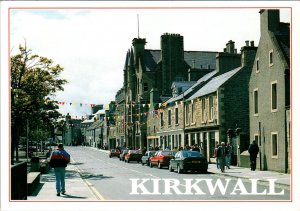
71 134
217 102
147 69
269 93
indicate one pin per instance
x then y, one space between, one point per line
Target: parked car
188 161
161 158
133 155
146 157
122 155
114 153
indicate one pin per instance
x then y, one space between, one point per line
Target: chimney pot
247 42
252 43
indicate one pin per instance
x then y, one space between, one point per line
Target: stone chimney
269 20
172 61
248 54
230 47
138 49
229 59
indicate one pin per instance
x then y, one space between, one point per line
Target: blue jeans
60 178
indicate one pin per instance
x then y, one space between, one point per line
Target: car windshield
191 154
125 151
168 153
152 153
134 152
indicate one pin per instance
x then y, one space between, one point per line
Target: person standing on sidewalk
59 160
229 152
253 151
215 154
221 155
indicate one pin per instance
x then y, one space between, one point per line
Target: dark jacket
59 158
253 149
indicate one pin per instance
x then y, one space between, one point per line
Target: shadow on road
73 197
87 175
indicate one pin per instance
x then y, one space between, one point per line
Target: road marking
91 187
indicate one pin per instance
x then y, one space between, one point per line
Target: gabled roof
195 59
200 59
214 83
95 125
193 86
151 59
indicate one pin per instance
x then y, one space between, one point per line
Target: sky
91 44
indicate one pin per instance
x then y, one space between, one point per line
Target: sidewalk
77 189
245 173
282 179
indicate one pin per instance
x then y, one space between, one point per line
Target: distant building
72 132
269 93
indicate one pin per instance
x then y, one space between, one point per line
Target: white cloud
91 44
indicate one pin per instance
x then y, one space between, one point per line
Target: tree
34 82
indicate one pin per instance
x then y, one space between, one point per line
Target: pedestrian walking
229 151
196 148
221 154
253 151
215 154
59 160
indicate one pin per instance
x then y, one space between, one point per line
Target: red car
161 158
114 153
133 155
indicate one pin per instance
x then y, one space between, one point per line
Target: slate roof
193 87
151 59
214 83
95 125
195 59
200 59
283 39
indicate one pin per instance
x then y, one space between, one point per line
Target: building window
271 59
211 107
257 65
146 87
274 96
203 111
187 113
169 117
274 144
161 119
255 101
176 116
193 112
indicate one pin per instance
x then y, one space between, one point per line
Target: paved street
110 179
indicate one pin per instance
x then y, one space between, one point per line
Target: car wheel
159 165
109 156
150 165
179 170
128 161
142 163
170 168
